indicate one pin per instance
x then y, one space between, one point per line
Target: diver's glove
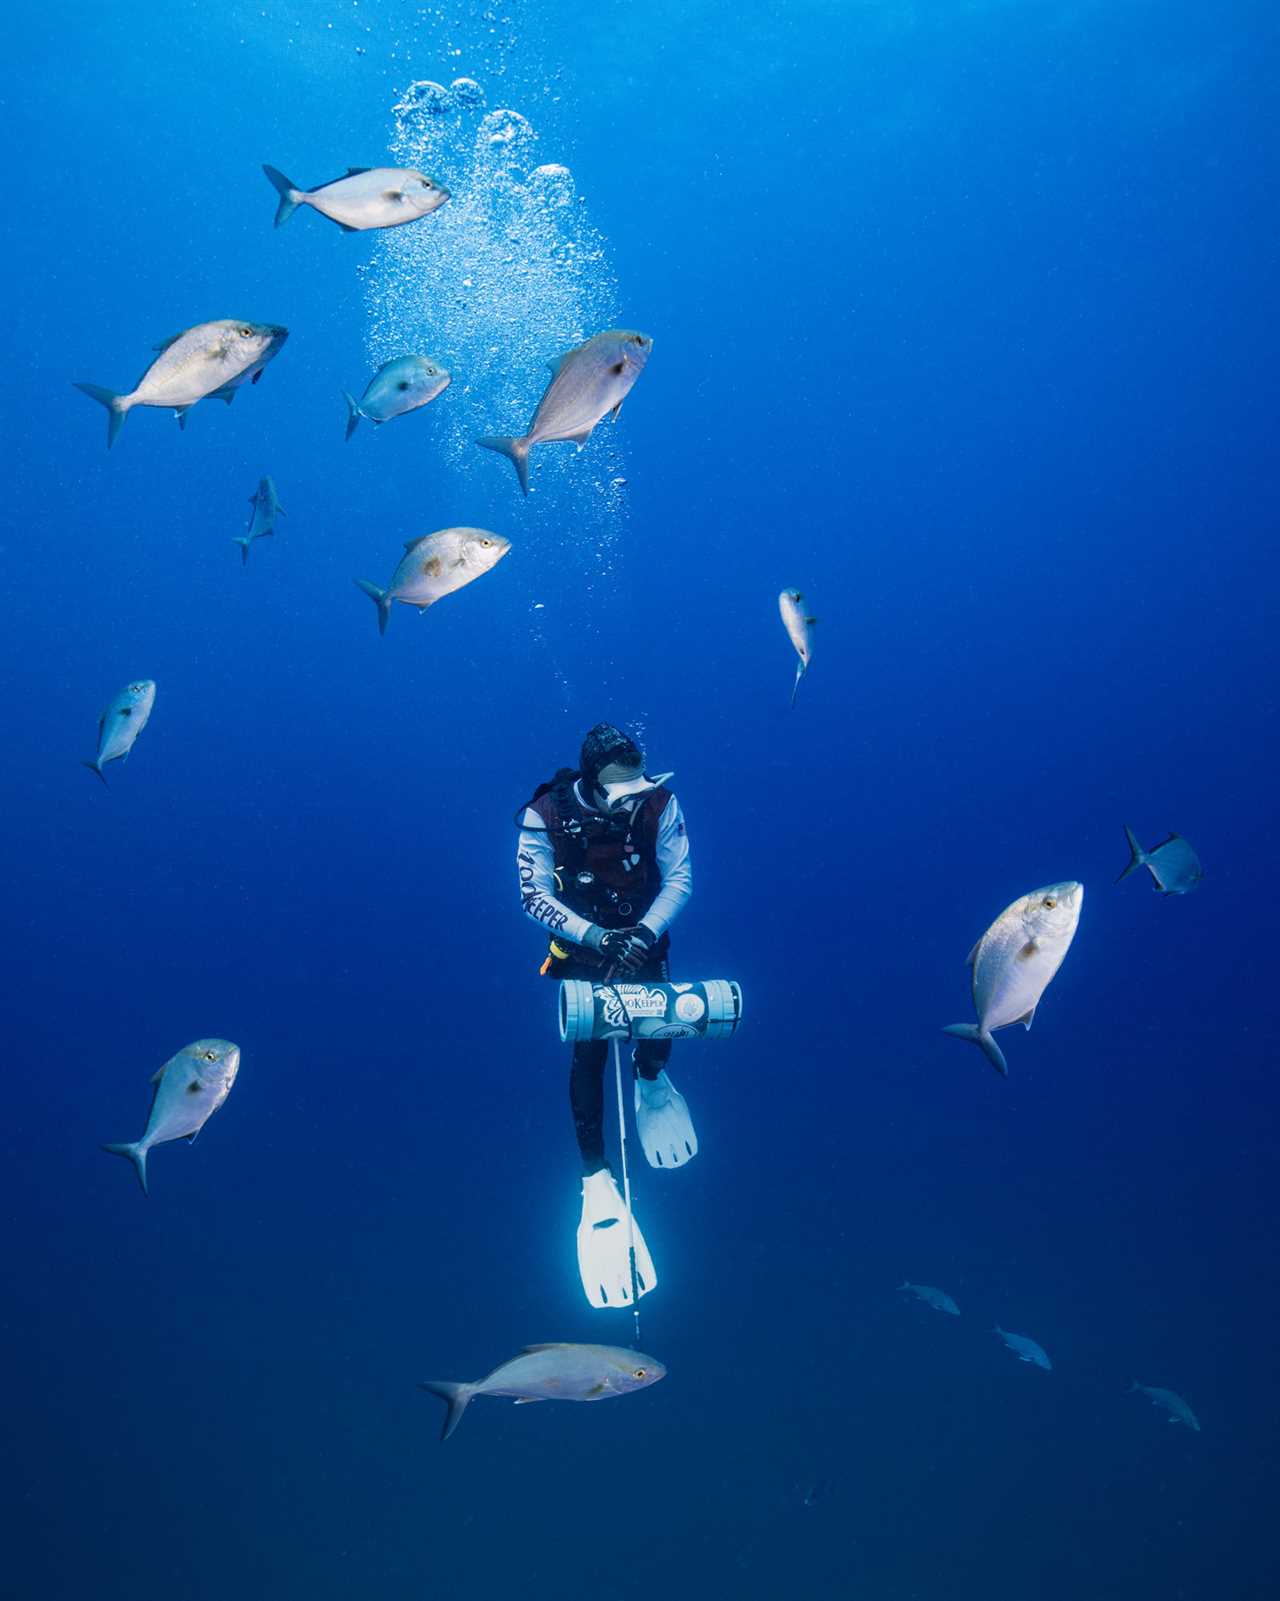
628 948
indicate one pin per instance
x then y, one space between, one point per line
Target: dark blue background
966 325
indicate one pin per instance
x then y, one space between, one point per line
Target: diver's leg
586 1097
663 1123
651 1056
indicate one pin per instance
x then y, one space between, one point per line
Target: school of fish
1012 964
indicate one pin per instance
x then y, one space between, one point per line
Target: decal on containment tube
635 1010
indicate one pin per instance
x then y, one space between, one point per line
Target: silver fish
200 363
589 382
1025 1349
121 722
1014 961
435 566
797 624
1173 865
939 1300
1177 1408
553 1373
365 197
397 387
262 523
190 1088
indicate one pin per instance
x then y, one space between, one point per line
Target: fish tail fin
137 1154
457 1397
243 542
795 687
117 408
984 1041
515 450
1137 856
290 195
380 598
95 768
354 413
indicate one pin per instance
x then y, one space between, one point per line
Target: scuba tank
642 1010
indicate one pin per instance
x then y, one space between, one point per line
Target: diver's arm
536 865
672 852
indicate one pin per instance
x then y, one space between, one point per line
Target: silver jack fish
1174 1405
1173 865
262 522
939 1300
209 361
797 624
121 722
1014 961
435 566
397 387
190 1088
588 383
553 1373
1026 1349
366 197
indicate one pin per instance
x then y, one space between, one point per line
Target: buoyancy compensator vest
606 863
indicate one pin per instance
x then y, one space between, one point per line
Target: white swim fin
604 1255
663 1123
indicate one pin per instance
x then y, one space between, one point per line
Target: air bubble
466 92
505 278
506 134
424 97
552 184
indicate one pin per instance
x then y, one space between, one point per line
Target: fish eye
246 333
1049 903
486 543
639 1373
211 1056
637 339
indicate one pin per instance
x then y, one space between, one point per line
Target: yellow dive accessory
555 953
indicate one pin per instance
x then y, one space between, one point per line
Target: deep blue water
965 324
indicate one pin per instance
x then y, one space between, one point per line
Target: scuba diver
603 861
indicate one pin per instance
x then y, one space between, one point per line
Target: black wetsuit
608 873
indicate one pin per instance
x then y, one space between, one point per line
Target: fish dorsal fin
412 544
354 172
1027 1018
532 1350
581 437
171 340
812 622
973 954
157 1075
345 229
556 367
528 1400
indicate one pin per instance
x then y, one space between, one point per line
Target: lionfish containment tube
710 1010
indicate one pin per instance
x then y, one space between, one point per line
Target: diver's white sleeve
536 865
672 851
